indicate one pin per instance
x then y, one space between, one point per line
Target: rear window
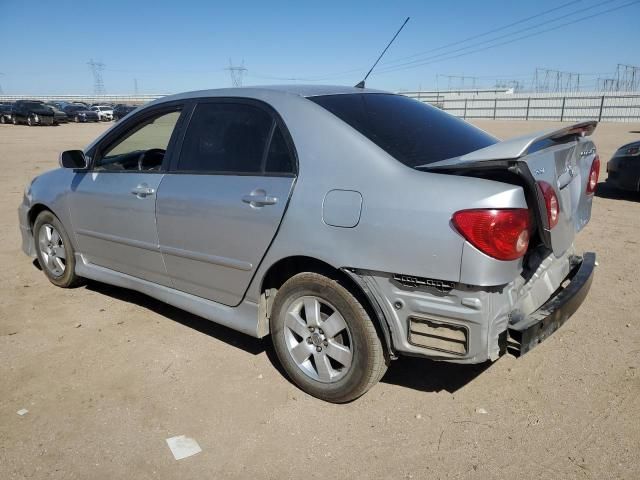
412 132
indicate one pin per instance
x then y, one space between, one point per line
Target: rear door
222 201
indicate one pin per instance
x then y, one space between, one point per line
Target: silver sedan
351 225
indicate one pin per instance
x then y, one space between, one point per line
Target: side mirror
73 159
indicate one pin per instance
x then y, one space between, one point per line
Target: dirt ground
107 375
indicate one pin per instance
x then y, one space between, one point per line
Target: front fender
49 191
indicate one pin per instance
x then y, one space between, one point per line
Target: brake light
594 173
501 234
551 202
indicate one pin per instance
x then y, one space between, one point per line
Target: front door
221 203
113 205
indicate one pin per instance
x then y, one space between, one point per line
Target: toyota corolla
351 225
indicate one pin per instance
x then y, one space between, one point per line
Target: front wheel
30 121
54 250
324 339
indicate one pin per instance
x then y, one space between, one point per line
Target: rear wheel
76 119
30 121
2 119
324 339
14 120
54 250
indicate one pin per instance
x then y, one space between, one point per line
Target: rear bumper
539 325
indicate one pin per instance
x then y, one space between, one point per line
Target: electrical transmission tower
606 85
96 70
546 80
457 82
627 78
236 72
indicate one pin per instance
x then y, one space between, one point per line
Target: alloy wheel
52 250
318 339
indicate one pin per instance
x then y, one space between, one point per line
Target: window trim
124 129
261 105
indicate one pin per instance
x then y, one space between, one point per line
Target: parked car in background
623 170
61 104
399 230
121 110
58 115
105 113
5 112
32 112
78 113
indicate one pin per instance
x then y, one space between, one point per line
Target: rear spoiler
517 147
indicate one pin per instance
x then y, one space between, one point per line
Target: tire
14 120
350 337
2 120
60 271
29 121
76 119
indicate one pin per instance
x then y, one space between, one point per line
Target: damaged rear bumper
528 332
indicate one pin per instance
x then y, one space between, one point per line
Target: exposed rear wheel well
286 268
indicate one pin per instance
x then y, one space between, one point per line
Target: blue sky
172 46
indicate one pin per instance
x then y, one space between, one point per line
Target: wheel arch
35 210
287 267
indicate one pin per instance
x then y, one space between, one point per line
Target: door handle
259 200
143 190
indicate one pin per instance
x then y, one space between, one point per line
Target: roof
259 91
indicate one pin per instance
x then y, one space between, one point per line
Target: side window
226 138
279 158
143 147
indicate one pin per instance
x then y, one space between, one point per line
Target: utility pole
96 70
236 73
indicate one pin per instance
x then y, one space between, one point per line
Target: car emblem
588 152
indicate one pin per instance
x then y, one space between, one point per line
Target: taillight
501 234
551 202
594 173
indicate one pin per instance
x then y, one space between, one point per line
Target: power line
553 20
435 59
390 63
497 29
489 32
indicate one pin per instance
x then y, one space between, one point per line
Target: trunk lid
562 158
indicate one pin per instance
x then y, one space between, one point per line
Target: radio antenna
361 83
